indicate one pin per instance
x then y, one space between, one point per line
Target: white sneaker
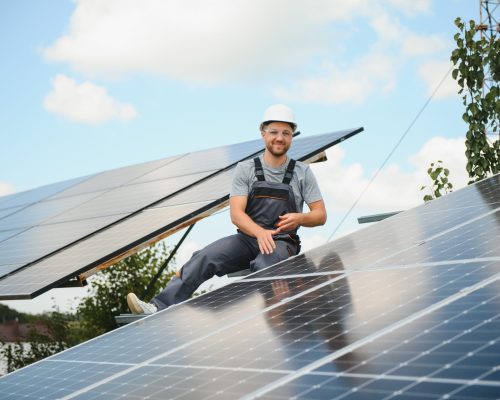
138 306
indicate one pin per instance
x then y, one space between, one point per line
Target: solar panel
103 198
417 320
453 352
22 199
111 227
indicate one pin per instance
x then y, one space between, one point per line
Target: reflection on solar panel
61 231
406 308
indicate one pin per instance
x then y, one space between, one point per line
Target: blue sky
94 85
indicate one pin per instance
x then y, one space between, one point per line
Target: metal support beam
165 264
376 217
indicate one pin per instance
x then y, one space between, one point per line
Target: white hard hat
280 113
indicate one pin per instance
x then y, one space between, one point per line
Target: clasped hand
287 222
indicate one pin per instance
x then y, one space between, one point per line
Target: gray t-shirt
304 185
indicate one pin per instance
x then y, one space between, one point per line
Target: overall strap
259 172
289 172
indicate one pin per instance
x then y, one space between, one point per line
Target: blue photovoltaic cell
7 211
38 213
432 232
90 253
75 377
298 322
206 160
129 198
38 194
452 352
41 240
100 200
115 205
374 333
114 178
8 268
4 235
420 320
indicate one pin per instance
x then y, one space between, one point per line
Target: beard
276 150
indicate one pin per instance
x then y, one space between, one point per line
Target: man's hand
289 222
265 240
280 289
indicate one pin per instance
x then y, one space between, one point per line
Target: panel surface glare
35 195
424 327
452 352
435 231
106 208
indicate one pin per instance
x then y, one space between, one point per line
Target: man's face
277 138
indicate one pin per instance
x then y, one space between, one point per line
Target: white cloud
390 31
411 7
85 102
371 73
375 72
387 28
393 189
189 40
6 188
202 42
449 150
432 72
420 45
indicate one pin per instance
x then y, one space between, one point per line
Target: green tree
56 335
475 58
109 288
8 314
95 313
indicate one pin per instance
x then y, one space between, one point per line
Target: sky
92 85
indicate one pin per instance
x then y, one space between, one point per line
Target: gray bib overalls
266 202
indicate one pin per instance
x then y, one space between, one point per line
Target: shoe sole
133 305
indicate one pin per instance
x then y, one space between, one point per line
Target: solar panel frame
107 220
41 273
410 354
369 306
207 188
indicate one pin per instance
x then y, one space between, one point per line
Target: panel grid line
389 376
415 380
187 344
322 361
381 268
410 378
391 255
451 229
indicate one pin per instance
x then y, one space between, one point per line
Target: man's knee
282 252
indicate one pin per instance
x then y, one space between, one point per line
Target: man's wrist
302 219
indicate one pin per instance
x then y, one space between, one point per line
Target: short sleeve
240 186
310 191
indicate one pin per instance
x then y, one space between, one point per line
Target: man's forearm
316 216
313 218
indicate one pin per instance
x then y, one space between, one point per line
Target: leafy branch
474 60
441 184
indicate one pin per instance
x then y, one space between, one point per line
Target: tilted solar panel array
406 308
57 232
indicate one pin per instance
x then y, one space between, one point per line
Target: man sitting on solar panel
266 200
